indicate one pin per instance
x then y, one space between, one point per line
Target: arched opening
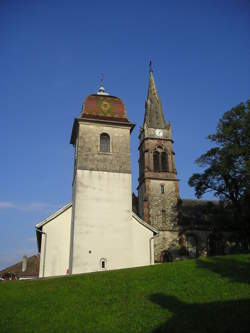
103 263
166 256
160 159
104 143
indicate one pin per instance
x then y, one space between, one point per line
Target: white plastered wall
55 245
143 244
102 216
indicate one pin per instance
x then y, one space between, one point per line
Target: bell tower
158 185
101 199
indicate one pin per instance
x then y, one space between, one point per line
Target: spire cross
102 79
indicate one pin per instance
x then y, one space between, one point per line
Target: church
98 230
107 227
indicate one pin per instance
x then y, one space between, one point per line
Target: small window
103 264
104 143
163 215
162 189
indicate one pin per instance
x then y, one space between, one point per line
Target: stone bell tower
158 185
102 209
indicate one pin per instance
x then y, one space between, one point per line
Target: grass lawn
203 295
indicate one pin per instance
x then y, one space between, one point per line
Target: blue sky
51 56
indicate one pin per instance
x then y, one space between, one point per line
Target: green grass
204 295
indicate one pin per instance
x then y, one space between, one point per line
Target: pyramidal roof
154 116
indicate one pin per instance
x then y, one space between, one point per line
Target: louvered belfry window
104 143
156 161
160 160
164 161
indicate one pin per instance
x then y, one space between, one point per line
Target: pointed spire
154 116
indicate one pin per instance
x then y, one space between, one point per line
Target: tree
227 165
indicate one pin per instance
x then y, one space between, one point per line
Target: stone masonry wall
88 153
157 202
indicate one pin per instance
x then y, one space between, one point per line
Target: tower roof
154 116
104 107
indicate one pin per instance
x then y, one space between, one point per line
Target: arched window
156 161
160 159
103 263
104 143
164 161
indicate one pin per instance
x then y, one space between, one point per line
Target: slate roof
32 269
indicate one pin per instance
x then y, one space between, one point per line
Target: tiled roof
104 107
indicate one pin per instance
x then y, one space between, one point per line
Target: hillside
203 295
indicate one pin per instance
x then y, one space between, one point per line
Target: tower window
156 161
104 143
163 215
162 189
160 160
164 161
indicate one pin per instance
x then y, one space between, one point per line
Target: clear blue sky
51 57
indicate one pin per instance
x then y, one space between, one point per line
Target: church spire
154 117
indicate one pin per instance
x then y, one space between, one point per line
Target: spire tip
150 66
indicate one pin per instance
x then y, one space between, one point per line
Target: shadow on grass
235 270
229 316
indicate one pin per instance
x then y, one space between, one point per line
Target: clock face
159 132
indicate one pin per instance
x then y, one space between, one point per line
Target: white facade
55 245
54 240
143 236
101 225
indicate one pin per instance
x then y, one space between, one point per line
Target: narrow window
104 143
156 161
164 161
162 189
103 264
163 215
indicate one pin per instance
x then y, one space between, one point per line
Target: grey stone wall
158 202
88 155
